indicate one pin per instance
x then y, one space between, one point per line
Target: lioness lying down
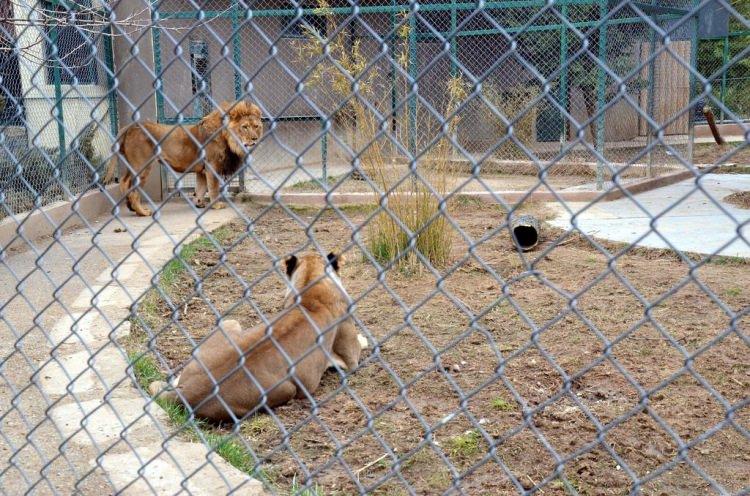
266 370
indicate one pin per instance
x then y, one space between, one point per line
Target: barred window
65 26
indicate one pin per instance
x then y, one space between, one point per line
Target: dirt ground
521 176
741 199
473 361
491 182
507 176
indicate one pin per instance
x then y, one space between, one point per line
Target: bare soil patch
498 339
455 182
740 199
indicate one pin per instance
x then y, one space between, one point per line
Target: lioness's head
244 128
310 269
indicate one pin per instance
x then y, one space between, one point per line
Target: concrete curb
55 217
510 197
96 400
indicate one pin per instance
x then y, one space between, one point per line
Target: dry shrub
510 102
413 203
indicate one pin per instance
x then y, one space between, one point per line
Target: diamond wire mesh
728 76
45 159
454 436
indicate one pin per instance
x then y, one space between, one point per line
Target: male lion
233 371
225 147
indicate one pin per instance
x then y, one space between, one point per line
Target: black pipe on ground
525 231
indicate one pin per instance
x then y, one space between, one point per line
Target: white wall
82 104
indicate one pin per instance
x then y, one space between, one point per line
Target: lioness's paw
156 387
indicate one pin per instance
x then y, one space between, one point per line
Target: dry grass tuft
412 222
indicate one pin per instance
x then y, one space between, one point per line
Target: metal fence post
650 103
564 74
324 150
692 90
158 83
601 88
393 36
111 82
725 64
412 69
237 59
454 39
156 41
58 112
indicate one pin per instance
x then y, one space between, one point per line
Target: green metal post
111 89
412 69
237 59
693 64
392 49
57 82
156 40
454 56
725 63
650 95
601 87
453 40
564 75
236 49
324 152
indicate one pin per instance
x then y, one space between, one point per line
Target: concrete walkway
687 218
71 421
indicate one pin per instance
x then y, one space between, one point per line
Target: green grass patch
259 425
145 368
177 265
315 183
502 405
298 490
733 292
465 445
722 260
568 484
232 450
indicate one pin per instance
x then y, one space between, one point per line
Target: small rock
120 230
456 368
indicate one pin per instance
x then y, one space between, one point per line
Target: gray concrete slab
65 396
690 216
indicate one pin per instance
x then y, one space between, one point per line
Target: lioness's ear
333 259
290 264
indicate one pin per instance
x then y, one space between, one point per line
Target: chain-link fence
723 63
56 107
475 249
730 83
